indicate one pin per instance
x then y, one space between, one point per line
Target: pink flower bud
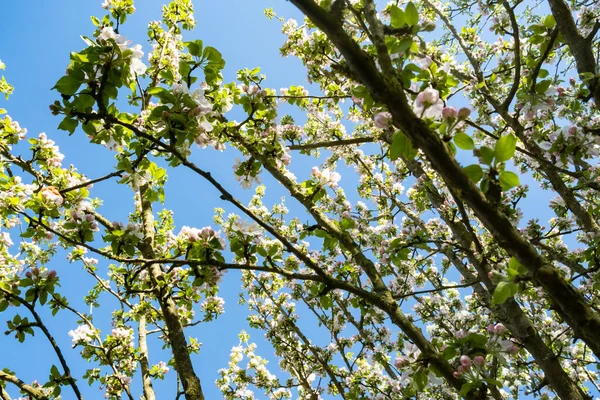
460 334
449 113
428 97
490 328
513 350
479 360
401 362
54 109
52 274
499 329
464 113
465 361
383 119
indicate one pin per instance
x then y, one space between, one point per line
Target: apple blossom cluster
428 104
234 381
326 176
206 237
119 7
81 218
83 334
137 66
212 306
5 87
159 370
246 172
124 334
11 131
203 109
52 196
166 49
16 193
245 228
48 153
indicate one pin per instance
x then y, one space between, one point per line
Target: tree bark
581 47
144 363
175 334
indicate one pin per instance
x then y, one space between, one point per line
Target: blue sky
35 40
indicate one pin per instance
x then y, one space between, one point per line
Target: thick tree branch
332 143
35 393
580 47
144 357
517 54
175 334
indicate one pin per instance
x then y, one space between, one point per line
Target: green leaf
195 47
401 146
43 297
474 172
549 21
514 263
404 45
515 269
347 223
543 86
485 154
466 388
505 148
83 102
509 180
79 57
491 381
449 353
411 14
420 378
504 291
464 141
68 124
212 70
326 302
88 41
397 17
163 94
476 340
67 85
